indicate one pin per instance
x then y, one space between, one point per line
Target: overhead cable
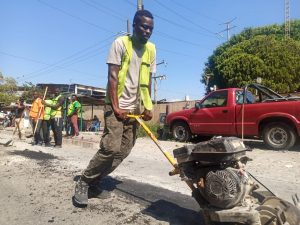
76 17
43 63
183 17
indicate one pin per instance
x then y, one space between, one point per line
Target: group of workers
47 113
131 62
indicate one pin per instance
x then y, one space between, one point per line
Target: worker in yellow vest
68 125
56 119
131 62
46 123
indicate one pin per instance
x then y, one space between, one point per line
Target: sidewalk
84 140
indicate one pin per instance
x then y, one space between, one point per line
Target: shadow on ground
159 203
259 144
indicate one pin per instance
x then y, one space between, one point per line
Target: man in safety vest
56 119
36 115
68 125
73 113
131 62
46 123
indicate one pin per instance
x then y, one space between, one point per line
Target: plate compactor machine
227 194
225 191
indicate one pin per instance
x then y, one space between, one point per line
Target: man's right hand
121 113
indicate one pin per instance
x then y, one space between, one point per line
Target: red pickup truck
254 112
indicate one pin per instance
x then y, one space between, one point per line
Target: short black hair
141 13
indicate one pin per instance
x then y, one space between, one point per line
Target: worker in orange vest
36 115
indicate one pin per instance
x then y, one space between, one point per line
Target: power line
40 62
172 22
194 11
119 18
162 34
130 3
178 53
71 57
108 11
66 64
180 26
183 17
75 17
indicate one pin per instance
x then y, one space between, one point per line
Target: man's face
56 91
35 95
143 29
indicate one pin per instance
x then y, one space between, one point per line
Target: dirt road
37 185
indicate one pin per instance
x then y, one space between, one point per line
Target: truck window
239 95
216 99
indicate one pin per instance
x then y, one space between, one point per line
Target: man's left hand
147 115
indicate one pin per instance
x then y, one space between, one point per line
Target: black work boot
81 193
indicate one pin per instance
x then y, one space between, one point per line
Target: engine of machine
216 171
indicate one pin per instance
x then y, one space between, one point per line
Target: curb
82 143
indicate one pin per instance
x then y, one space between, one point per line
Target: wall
157 110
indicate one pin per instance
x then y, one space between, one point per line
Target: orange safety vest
35 108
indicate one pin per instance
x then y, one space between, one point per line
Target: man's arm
59 103
113 71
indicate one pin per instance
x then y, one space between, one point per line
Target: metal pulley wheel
275 211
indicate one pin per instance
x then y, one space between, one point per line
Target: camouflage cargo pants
117 141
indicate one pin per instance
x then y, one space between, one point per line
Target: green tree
258 52
29 88
8 87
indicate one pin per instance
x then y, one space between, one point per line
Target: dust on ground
37 185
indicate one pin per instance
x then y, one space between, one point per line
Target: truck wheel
181 132
279 136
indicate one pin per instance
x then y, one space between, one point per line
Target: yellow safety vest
70 109
56 112
47 110
147 59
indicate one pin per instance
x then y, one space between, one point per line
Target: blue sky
67 41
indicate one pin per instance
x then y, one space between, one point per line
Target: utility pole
160 77
128 26
228 28
287 22
140 5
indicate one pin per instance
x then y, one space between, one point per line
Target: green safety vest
56 112
47 110
70 109
78 108
147 59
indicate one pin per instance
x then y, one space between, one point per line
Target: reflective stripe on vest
70 109
47 110
147 59
56 112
